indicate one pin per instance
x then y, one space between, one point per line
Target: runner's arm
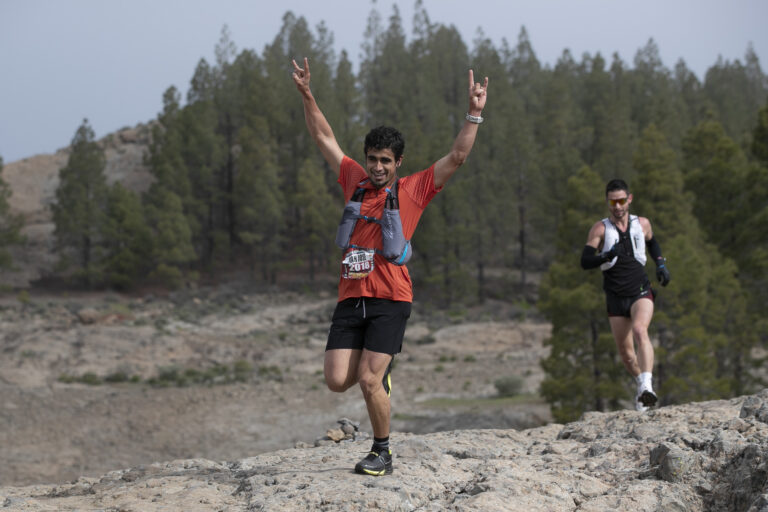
446 166
589 256
317 124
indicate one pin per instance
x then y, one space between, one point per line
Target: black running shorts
377 325
618 305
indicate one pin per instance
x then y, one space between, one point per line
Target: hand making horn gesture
477 95
301 76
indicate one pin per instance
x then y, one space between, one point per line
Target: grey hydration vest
394 247
612 237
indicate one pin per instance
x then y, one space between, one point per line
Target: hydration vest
611 238
394 247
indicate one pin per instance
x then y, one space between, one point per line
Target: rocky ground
710 456
101 382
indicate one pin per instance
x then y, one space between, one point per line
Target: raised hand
301 76
477 94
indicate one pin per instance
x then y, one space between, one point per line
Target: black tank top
627 277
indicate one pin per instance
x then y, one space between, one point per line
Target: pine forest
239 184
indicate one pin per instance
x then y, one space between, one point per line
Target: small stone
88 316
335 434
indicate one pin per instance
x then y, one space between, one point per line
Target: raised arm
446 166
317 124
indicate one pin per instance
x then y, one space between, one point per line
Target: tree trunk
229 177
480 271
522 240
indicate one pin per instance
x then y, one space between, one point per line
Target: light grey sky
110 60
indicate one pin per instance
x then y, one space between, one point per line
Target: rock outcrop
693 457
33 182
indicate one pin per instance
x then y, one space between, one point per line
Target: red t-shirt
387 281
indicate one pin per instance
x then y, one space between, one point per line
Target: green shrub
116 377
509 386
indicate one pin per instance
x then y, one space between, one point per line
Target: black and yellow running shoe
387 380
375 464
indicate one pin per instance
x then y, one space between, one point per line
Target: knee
336 383
639 333
369 383
336 387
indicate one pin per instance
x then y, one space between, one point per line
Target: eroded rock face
33 182
693 457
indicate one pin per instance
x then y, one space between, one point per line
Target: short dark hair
616 184
385 137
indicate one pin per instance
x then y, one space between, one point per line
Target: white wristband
474 119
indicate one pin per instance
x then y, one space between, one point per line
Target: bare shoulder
596 234
646 225
598 227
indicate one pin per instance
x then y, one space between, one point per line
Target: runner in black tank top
626 284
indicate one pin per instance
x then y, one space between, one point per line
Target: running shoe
647 397
387 380
375 464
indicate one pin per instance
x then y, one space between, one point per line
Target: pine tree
520 153
753 262
172 249
715 171
686 362
203 153
318 216
345 119
384 73
718 173
607 107
79 208
736 90
168 162
10 224
653 97
759 145
557 130
582 369
227 99
127 238
499 179
259 201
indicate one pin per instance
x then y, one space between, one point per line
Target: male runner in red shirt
375 303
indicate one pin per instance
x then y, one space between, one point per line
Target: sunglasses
622 201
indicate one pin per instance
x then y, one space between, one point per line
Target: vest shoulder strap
392 202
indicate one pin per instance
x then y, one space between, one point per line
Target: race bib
357 264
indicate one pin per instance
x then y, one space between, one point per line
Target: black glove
615 251
662 274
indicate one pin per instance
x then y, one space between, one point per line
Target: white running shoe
645 396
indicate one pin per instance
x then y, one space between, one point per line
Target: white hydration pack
612 238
